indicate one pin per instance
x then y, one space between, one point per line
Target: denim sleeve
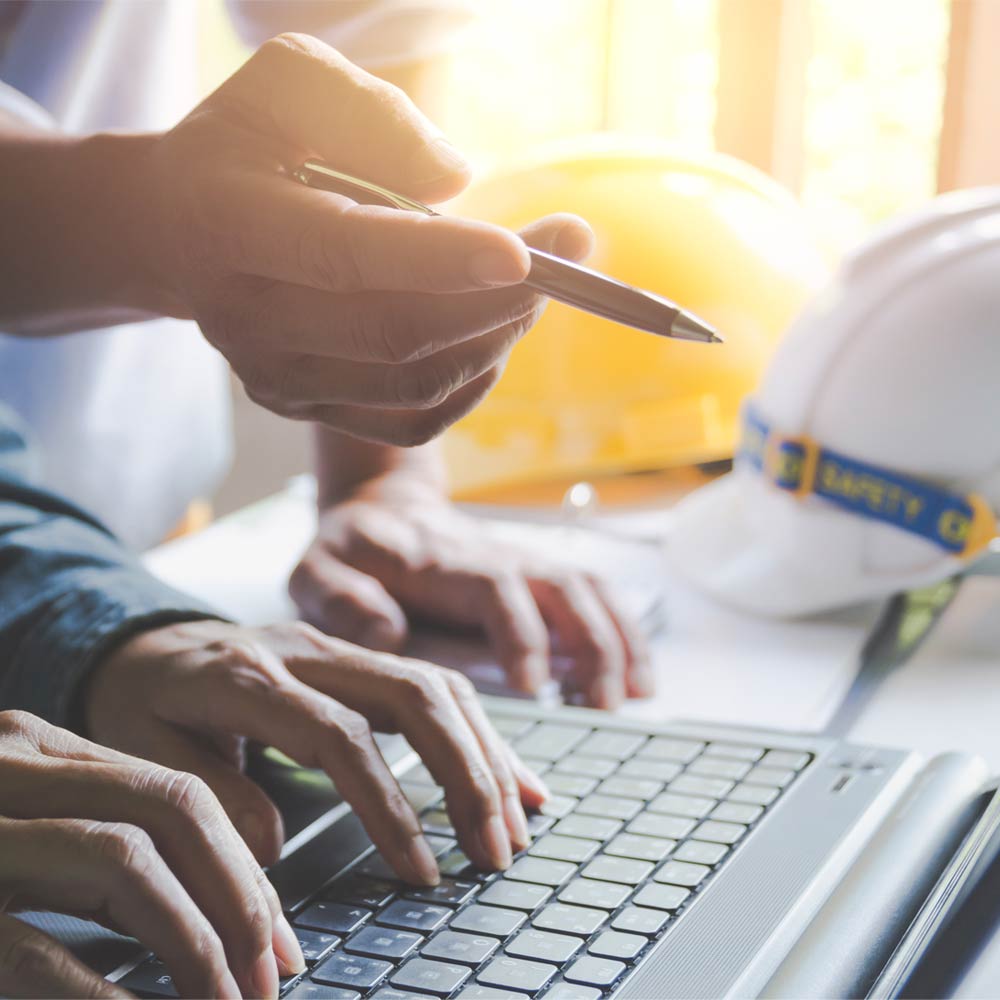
68 591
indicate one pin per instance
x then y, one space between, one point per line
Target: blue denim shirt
68 590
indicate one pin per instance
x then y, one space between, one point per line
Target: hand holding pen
387 325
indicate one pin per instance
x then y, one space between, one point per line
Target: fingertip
575 240
263 835
440 171
641 682
422 865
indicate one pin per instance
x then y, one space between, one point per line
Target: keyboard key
315 944
564 848
692 784
543 946
572 991
418 775
661 897
540 870
511 727
643 767
550 741
383 942
451 946
517 974
589 892
421 796
492 920
413 915
590 767
516 895
628 871
569 919
605 743
376 867
719 767
439 845
558 806
437 821
537 765
655 824
391 993
456 863
681 873
721 833
334 918
538 823
589 827
681 805
663 748
701 852
287 983
477 991
351 971
609 805
439 978
630 788
615 944
640 920
575 785
737 750
448 892
151 979
306 990
590 971
755 795
631 845
736 812
777 777
785 759
362 891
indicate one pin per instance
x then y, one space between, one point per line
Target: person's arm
69 592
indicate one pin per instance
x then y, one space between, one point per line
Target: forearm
68 592
72 243
345 464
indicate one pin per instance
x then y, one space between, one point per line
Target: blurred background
859 108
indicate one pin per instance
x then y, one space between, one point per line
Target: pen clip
354 187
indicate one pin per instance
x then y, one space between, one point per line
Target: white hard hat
870 461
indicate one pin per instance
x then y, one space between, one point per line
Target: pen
552 276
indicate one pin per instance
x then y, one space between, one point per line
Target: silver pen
552 276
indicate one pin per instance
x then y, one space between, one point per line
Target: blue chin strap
961 525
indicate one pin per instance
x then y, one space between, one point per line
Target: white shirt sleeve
17 105
371 33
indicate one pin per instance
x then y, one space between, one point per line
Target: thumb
344 602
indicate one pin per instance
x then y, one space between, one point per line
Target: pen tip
688 327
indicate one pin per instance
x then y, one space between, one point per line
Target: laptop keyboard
636 827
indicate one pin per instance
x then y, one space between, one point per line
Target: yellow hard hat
582 395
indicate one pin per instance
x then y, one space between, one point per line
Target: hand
388 325
145 851
186 695
398 548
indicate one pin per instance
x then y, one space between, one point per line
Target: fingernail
286 948
494 843
574 241
517 822
607 693
437 160
494 267
264 977
422 863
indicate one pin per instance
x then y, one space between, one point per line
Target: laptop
675 860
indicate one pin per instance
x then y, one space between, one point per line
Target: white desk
710 663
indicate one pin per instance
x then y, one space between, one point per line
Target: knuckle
352 732
16 722
424 689
185 793
123 846
325 265
461 686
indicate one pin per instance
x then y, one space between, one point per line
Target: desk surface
710 663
